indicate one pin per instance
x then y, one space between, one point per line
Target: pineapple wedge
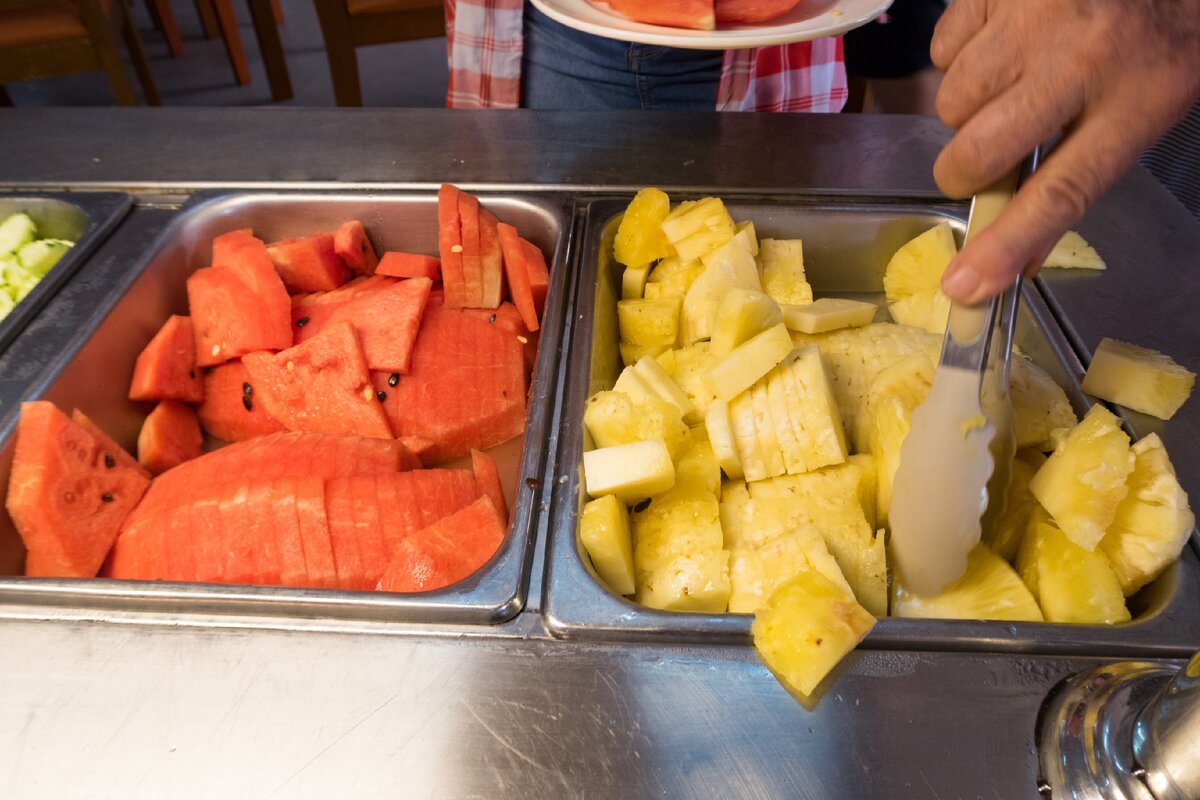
754 573
764 429
633 282
640 239
676 285
1027 552
928 311
781 417
697 227
782 264
735 505
748 362
678 552
696 464
649 323
1084 480
1005 535
918 265
604 531
887 417
720 434
693 582
908 380
1152 524
806 627
1040 406
1075 585
989 589
632 353
746 236
691 363
634 386
861 556
741 315
613 419
1138 378
828 314
813 410
1073 252
745 437
654 376
632 472
731 267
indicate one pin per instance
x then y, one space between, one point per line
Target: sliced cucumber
38 257
15 231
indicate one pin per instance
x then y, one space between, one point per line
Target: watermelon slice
169 436
491 261
342 294
239 249
321 385
450 246
230 410
487 481
694 14
353 246
751 11
409 265
314 532
539 275
518 274
235 312
309 263
465 387
368 527
166 369
447 551
468 215
386 319
65 498
343 536
109 450
293 571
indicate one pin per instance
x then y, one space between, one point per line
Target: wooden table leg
233 40
271 48
208 19
162 13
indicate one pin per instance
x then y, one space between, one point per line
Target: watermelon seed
106 497
492 319
247 389
522 340
109 461
642 506
367 393
382 395
246 402
393 379
69 497
300 323
191 373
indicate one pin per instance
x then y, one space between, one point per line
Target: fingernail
961 284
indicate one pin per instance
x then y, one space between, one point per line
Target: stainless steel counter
128 704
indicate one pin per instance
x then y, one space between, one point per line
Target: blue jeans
568 70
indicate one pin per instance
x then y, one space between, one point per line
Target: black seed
382 395
247 389
642 506
106 497
109 461
191 373
300 323
491 319
246 402
393 379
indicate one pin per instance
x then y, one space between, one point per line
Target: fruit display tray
94 369
84 218
846 247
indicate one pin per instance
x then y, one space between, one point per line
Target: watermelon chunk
409 265
235 312
465 387
321 385
539 275
309 263
386 320
447 551
487 481
230 410
468 215
518 274
169 436
108 447
491 261
751 11
314 532
353 246
65 498
694 14
450 246
166 369
343 536
239 249
346 293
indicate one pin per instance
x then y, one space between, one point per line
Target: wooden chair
347 24
217 18
50 38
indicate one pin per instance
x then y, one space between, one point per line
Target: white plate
811 19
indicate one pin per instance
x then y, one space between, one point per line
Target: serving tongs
955 454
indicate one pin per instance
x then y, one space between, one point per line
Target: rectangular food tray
84 218
846 247
93 374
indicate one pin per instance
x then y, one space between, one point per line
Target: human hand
1112 75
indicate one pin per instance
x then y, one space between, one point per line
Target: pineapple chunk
764 429
632 353
1084 480
1075 585
782 264
781 416
741 315
697 227
676 285
691 363
748 362
754 573
720 434
806 627
1152 524
730 267
745 437
1004 537
1073 252
633 385
989 589
666 360
633 282
640 239
696 464
604 531
861 556
1138 378
813 411
1030 546
746 236
1040 406
632 472
887 417
828 314
919 264
613 419
867 471
735 502
665 388
928 311
678 552
649 323
908 380
694 582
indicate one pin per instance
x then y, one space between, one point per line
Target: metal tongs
955 456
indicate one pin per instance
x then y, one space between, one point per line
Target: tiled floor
405 74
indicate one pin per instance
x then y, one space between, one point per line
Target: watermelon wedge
342 294
313 521
450 246
518 274
309 263
235 312
447 551
487 481
66 499
353 246
230 410
751 11
539 275
321 385
109 449
170 436
343 536
491 261
694 14
166 369
468 214
409 265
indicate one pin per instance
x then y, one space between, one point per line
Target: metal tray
846 248
92 373
85 218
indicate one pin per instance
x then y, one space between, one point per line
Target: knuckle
1066 196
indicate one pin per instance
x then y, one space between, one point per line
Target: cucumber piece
16 230
38 257
7 304
17 281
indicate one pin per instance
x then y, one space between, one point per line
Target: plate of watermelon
340 393
713 24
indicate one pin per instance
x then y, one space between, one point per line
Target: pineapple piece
665 388
632 384
1075 585
919 264
746 236
633 282
731 267
734 509
604 531
695 582
677 285
1152 524
697 227
666 360
867 471
1004 537
1073 252
781 415
745 438
1040 406
928 311
649 323
1029 547
748 362
632 472
632 353
696 464
908 380
1138 378
1084 480
613 419
782 264
640 239
813 410
764 429
720 434
682 521
989 589
754 573
861 556
741 315
828 314
691 363
806 627
886 418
